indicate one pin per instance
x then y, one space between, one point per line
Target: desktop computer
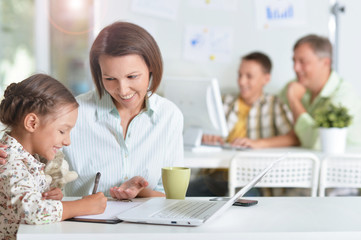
200 101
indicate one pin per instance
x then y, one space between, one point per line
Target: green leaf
330 115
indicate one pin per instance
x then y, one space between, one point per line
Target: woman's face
126 79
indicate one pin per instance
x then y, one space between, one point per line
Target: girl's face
52 134
126 79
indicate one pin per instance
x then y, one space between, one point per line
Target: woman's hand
54 194
129 189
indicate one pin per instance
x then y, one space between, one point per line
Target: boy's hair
40 94
321 46
124 38
260 58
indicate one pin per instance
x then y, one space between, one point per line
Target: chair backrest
299 170
341 171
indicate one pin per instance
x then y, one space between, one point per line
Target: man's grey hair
321 46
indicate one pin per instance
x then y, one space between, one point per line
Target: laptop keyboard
225 146
184 209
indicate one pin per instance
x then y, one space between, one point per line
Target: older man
315 83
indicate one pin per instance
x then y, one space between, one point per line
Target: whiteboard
238 16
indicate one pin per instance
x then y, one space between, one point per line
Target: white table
221 159
273 218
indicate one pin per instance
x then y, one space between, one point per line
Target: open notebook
114 208
186 212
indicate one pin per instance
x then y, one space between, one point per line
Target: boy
255 120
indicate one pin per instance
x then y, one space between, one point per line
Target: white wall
350 43
276 43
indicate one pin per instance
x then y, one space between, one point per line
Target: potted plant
333 122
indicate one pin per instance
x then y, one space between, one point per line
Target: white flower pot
333 140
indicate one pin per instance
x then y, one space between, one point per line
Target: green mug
175 181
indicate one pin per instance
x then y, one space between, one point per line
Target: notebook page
112 210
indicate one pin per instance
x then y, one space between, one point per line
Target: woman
124 130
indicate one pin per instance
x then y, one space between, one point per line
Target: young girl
39 113
124 128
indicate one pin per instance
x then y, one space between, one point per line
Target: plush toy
57 171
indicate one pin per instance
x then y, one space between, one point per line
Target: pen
119 200
96 182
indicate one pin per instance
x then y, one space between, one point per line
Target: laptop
186 212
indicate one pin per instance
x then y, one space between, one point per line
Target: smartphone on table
240 202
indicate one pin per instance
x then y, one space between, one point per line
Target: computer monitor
200 101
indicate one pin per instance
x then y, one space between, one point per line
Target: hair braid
39 93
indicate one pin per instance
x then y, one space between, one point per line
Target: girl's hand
95 203
3 154
54 194
129 189
88 205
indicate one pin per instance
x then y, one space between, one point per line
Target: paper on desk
112 210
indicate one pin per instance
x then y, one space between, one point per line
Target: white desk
273 218
221 159
208 160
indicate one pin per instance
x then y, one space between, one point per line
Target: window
62 45
17 41
70 29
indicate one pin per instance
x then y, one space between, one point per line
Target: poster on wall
208 44
166 9
219 5
272 14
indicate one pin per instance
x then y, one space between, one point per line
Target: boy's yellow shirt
240 128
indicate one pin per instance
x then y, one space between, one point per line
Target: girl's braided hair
40 94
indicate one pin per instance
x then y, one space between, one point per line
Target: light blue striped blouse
154 140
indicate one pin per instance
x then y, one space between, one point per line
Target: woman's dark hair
40 94
260 58
124 38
